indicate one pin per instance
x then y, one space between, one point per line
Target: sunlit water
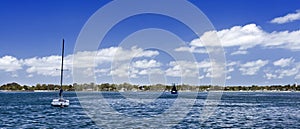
236 109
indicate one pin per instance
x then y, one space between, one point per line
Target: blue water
236 109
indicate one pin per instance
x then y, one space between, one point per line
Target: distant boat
61 102
174 90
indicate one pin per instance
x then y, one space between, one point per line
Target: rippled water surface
236 109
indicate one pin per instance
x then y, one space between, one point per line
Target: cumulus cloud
191 49
10 64
293 69
270 76
201 69
118 57
179 68
146 64
182 69
246 36
287 72
252 67
151 71
287 18
212 69
47 66
86 59
134 69
219 69
122 54
281 73
239 52
228 77
249 36
283 62
124 71
297 76
127 71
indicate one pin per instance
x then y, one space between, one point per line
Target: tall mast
62 68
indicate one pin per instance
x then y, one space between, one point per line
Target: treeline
288 87
17 87
158 87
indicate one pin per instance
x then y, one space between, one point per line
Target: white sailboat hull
60 103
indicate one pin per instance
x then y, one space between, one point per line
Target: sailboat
174 90
61 102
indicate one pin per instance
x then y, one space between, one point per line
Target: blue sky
260 39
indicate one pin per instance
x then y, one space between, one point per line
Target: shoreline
40 91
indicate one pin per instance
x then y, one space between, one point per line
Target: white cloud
124 71
232 63
246 36
88 72
251 68
101 70
151 71
108 55
146 64
204 64
249 36
293 69
297 76
182 69
202 69
127 71
270 76
115 55
133 72
287 18
10 64
201 77
47 66
191 49
86 60
120 58
176 69
239 52
134 69
230 69
286 72
207 68
121 71
283 62
228 77
215 70
122 54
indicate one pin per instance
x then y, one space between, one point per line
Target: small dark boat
174 89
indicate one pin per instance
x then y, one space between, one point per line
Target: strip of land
130 87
